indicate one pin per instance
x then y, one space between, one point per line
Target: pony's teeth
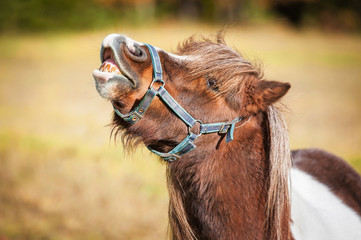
109 67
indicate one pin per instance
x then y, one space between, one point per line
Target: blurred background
62 177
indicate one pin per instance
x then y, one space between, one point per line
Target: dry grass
60 178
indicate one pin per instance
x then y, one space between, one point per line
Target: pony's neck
223 192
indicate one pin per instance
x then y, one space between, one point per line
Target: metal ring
199 132
154 80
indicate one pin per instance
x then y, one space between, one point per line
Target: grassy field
62 178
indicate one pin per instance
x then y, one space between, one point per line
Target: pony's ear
272 91
258 97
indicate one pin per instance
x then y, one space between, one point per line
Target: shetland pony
238 183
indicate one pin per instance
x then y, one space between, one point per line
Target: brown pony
247 187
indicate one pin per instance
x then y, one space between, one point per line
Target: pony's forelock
211 57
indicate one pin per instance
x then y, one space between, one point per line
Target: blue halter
188 142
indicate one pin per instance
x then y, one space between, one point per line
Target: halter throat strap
188 142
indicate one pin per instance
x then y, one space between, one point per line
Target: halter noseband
188 142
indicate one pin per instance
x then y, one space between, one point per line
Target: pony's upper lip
111 64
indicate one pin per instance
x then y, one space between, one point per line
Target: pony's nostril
135 51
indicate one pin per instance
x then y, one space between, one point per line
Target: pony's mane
278 202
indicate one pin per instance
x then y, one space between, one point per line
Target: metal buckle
136 113
173 157
135 117
223 129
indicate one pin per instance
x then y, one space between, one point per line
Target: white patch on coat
318 214
109 39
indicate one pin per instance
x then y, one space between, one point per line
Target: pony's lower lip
105 77
110 70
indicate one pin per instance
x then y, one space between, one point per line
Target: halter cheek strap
188 142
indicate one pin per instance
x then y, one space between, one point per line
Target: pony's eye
212 84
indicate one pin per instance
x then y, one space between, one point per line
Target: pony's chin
107 84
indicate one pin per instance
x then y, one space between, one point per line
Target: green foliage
34 15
